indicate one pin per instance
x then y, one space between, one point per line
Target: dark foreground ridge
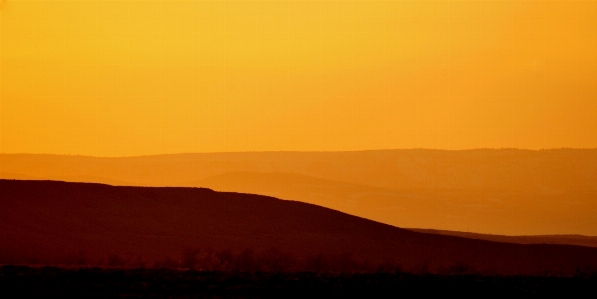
168 283
58 223
499 191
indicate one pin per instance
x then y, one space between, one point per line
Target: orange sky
119 78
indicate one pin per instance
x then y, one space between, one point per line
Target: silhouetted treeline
247 260
47 282
271 260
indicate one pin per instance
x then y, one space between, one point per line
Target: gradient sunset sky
121 78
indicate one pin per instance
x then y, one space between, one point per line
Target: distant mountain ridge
44 220
543 171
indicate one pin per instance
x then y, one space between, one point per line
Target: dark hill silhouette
66 178
46 220
486 210
496 191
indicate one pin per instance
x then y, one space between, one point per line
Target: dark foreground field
20 281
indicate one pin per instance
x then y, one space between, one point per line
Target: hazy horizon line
299 151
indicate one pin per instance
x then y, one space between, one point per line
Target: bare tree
226 258
82 258
246 261
190 258
217 261
115 260
316 263
167 263
389 267
346 263
277 261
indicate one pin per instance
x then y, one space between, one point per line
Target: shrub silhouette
586 272
246 261
274 260
389 267
167 263
226 258
190 258
217 260
209 261
421 268
316 263
459 268
345 263
137 262
31 261
81 259
115 260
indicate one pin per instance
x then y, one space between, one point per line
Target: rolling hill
47 220
505 192
479 210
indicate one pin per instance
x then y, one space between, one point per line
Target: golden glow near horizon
115 78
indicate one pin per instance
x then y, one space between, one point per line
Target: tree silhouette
190 258
246 261
217 260
167 263
316 263
275 260
115 260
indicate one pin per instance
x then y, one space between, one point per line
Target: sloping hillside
479 210
46 220
490 191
